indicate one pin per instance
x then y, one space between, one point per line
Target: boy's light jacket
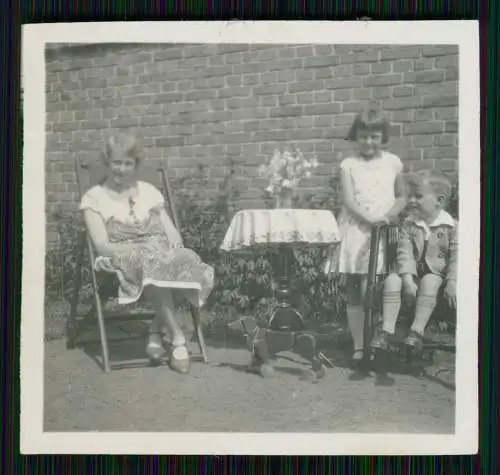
441 250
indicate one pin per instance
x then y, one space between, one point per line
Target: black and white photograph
244 238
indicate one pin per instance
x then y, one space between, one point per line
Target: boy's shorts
422 271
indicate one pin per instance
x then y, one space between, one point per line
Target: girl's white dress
373 183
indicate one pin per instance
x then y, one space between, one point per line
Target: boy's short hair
436 179
370 119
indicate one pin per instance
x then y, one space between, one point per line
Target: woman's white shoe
155 349
179 360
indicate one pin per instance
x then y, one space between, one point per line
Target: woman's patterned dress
157 260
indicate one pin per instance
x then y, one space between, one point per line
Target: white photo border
465 34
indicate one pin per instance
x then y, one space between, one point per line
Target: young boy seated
427 258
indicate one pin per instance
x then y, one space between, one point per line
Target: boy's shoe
414 340
381 341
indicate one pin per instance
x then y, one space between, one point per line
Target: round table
286 328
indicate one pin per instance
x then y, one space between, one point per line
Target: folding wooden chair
105 285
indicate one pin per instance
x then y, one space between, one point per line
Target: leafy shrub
453 203
243 280
60 261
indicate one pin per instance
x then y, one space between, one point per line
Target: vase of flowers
285 171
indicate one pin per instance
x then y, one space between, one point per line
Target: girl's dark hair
371 119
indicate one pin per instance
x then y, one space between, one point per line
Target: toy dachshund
266 343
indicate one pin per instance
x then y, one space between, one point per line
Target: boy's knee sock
425 306
391 305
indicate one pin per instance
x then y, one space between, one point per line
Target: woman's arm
171 231
348 198
401 199
99 235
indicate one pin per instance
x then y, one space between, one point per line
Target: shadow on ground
127 342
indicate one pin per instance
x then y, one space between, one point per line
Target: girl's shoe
414 340
381 341
155 349
357 356
179 359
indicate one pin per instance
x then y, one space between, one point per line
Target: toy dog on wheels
286 331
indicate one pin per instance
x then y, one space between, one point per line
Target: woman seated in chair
136 240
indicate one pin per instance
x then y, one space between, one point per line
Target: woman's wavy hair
127 144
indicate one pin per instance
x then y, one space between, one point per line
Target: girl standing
372 193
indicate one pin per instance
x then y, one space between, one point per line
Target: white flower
286 169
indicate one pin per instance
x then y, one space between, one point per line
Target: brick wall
210 103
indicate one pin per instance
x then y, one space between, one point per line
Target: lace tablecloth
280 226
